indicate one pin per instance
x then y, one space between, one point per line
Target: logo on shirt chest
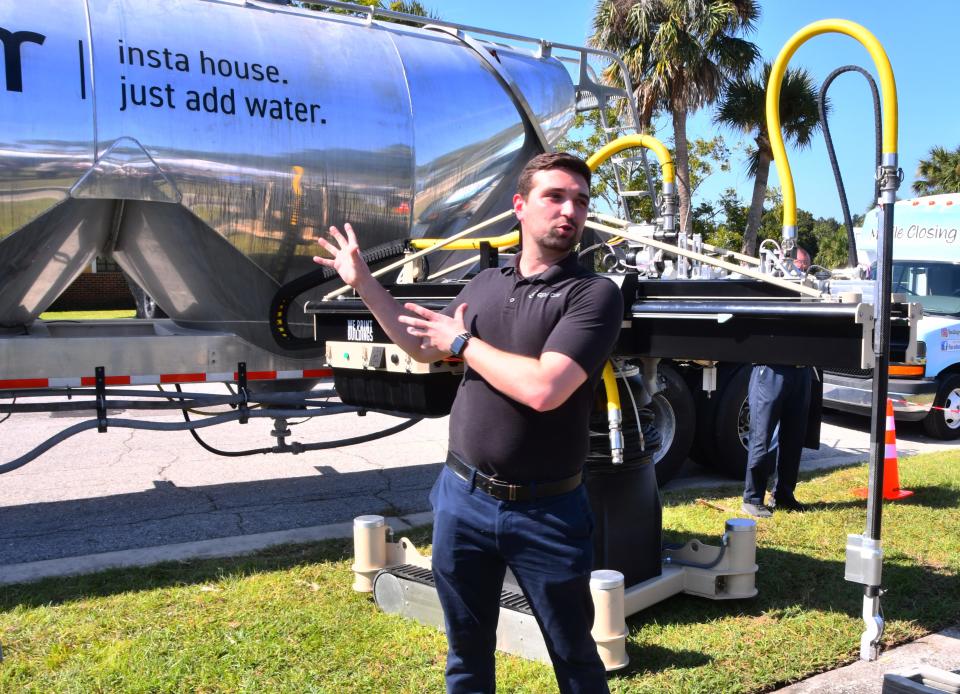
544 295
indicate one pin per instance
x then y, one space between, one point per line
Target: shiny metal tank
205 144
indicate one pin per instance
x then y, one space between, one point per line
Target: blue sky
920 39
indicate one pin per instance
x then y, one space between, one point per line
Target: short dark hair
551 160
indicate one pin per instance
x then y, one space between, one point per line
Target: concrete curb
941 650
203 549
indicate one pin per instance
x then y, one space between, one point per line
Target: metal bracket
100 382
244 405
489 255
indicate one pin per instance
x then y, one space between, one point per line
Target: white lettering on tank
359 330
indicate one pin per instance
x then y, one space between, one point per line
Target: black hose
296 447
323 445
62 436
193 399
697 565
207 447
821 105
283 300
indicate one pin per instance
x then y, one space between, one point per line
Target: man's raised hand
345 256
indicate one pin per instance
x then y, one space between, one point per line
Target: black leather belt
512 492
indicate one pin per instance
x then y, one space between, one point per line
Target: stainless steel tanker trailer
205 144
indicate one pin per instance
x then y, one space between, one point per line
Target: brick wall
96 291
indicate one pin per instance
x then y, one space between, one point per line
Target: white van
926 268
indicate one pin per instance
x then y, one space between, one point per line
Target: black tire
944 423
675 418
147 307
143 302
732 427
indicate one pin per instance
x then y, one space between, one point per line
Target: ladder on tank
592 95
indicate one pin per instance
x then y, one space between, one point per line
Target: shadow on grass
928 496
788 582
678 497
650 659
56 591
933 497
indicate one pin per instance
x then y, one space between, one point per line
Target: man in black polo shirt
534 336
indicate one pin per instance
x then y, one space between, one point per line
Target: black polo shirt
564 309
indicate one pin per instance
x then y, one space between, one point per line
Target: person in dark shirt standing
779 398
534 336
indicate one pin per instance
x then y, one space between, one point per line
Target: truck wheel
674 416
732 430
144 303
945 423
147 307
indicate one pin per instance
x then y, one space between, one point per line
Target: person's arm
542 383
578 345
346 260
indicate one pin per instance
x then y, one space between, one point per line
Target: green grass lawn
287 619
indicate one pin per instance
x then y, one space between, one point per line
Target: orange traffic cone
891 478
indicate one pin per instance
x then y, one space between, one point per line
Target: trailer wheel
674 416
944 423
732 427
146 306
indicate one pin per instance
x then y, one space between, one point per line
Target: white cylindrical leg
609 624
741 559
369 550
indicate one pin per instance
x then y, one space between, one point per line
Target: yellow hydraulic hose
621 143
614 413
669 211
511 238
631 141
887 84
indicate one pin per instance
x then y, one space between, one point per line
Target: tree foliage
743 108
679 54
939 172
707 157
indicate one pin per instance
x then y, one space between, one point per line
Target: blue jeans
779 398
547 544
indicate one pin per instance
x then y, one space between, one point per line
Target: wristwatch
460 343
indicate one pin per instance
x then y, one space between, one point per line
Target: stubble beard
554 242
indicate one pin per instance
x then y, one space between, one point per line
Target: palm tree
939 173
743 108
680 53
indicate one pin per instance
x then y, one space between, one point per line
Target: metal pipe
441 243
730 267
614 414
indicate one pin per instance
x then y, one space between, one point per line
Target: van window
936 286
